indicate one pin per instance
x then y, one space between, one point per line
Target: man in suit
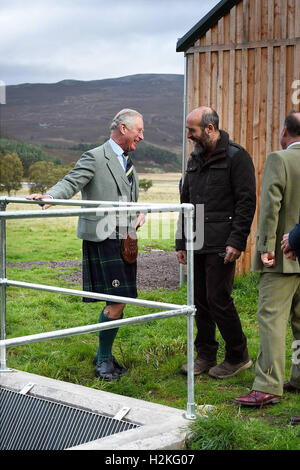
279 286
106 173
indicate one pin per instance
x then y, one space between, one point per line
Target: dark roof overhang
207 22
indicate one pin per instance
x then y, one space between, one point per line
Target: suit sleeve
76 179
273 188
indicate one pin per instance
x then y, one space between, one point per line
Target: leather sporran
129 246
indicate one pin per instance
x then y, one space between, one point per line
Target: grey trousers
279 300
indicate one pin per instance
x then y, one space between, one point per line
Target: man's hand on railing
181 256
38 197
140 220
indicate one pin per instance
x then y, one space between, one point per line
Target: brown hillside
70 112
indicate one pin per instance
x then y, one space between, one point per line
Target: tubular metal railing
97 208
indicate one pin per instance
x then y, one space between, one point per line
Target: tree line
20 162
41 174
144 155
28 153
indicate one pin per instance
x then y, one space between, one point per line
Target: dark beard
197 149
200 147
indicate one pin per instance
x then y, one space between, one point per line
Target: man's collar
292 144
116 147
221 143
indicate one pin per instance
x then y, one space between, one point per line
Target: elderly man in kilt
106 173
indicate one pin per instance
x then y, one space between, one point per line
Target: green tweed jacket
279 208
100 177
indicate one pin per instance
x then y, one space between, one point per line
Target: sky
45 41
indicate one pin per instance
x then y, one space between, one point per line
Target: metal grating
30 423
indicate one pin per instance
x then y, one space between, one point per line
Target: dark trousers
213 286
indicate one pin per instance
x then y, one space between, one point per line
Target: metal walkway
30 423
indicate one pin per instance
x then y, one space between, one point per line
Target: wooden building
243 59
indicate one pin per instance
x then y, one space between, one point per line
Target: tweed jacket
100 177
279 208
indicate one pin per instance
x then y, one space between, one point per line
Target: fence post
191 407
3 366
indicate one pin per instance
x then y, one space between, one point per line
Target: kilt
104 271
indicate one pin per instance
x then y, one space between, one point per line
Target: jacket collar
114 164
222 144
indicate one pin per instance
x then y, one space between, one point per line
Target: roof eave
207 22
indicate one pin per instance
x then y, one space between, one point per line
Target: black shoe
295 420
121 370
288 387
106 371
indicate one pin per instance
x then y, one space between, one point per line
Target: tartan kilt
105 272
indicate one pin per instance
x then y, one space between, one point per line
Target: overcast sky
45 41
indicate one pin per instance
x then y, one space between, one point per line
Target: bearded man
220 174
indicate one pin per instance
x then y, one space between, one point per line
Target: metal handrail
98 208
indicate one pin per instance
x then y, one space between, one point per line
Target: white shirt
294 143
119 152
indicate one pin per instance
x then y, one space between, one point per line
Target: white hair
125 116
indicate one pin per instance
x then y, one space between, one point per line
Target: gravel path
156 269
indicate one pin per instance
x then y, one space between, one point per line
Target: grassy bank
153 353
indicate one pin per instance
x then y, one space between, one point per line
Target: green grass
29 239
153 352
230 430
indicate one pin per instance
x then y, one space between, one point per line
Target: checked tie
129 167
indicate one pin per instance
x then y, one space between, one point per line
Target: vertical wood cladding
247 67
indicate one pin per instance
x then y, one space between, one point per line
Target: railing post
182 275
3 366
188 223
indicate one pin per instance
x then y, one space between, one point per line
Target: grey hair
125 116
210 118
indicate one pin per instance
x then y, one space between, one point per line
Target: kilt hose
105 272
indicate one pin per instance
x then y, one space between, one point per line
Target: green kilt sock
106 339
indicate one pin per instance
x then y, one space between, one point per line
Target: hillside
60 116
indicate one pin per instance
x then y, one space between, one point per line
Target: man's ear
122 129
284 132
209 129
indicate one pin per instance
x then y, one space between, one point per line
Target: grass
153 352
29 239
229 430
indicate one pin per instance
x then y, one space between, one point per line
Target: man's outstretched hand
38 197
